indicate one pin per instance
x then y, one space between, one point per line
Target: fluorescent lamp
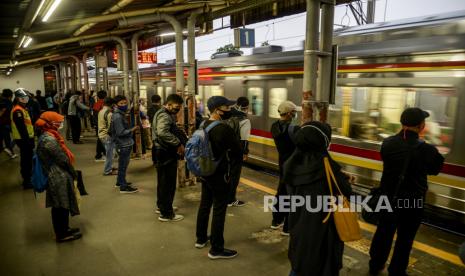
51 10
8 73
27 42
173 33
37 11
11 69
16 62
22 41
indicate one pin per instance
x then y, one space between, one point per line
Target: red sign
143 57
146 57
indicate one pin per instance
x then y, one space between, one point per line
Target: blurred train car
383 68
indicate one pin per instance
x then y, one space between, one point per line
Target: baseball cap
413 116
217 101
286 107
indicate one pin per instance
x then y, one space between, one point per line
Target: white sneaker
158 210
10 153
199 245
173 219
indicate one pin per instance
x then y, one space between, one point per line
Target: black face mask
175 111
226 115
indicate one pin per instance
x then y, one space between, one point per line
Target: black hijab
305 165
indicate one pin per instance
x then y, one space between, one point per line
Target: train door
276 93
255 92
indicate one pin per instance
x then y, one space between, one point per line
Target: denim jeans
109 153
123 163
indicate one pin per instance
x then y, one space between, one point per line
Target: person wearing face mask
403 154
122 137
169 148
216 188
283 131
57 161
23 134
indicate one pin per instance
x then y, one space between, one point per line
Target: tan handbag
346 221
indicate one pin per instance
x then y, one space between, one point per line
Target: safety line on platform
430 250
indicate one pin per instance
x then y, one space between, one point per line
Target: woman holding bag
57 161
315 247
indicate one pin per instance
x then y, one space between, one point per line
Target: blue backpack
199 155
39 177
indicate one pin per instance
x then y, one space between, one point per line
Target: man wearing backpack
242 123
407 161
169 148
216 188
104 122
283 132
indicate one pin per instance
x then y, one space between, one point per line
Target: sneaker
276 225
236 203
128 190
174 218
158 210
74 230
10 153
70 237
101 159
285 233
117 185
225 254
111 173
200 245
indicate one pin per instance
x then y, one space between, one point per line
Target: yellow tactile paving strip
363 244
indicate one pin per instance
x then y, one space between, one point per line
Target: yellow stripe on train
443 179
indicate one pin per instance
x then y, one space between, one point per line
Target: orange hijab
45 123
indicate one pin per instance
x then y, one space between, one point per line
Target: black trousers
215 192
26 148
154 153
406 222
279 217
166 184
236 169
75 127
60 221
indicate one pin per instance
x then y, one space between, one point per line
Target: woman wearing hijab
57 161
314 246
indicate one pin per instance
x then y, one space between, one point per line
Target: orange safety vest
27 122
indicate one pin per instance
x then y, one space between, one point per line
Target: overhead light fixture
27 42
50 10
16 62
37 11
22 41
173 33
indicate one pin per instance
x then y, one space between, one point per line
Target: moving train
383 68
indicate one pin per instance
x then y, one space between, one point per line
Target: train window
373 113
168 91
143 92
277 96
255 95
209 91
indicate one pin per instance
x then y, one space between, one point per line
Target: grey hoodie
74 102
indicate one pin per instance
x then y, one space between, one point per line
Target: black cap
217 101
413 116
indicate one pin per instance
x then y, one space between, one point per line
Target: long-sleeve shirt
121 133
162 133
74 104
104 122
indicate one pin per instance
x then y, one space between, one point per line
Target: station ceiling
23 19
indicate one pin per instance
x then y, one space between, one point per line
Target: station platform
122 235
